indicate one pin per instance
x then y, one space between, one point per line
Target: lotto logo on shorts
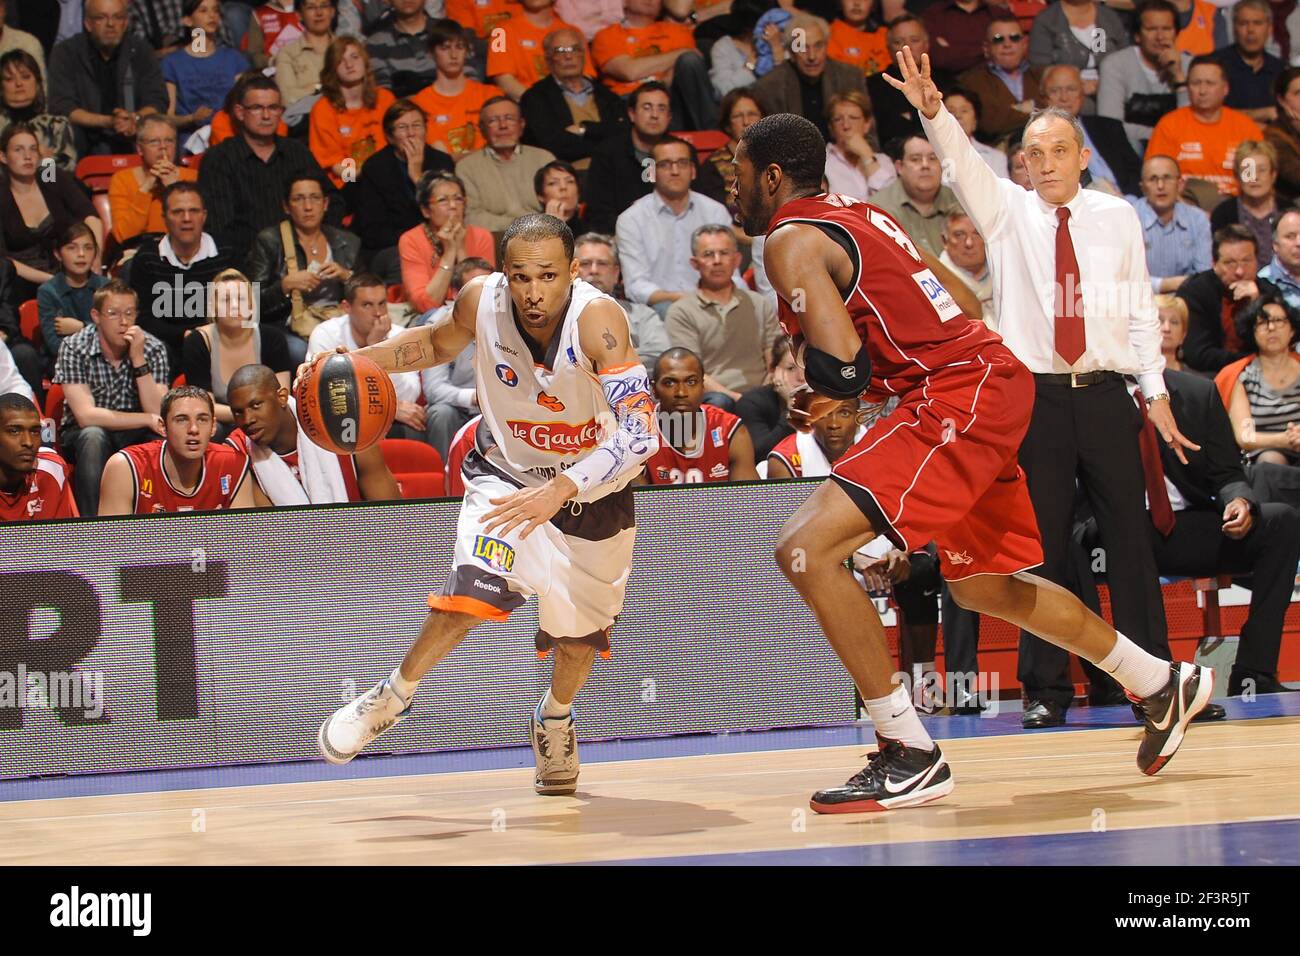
496 554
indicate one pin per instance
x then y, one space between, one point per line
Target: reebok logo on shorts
496 554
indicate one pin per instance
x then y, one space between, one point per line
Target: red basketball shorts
942 467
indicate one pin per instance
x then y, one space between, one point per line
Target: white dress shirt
654 244
1121 326
10 379
338 331
847 179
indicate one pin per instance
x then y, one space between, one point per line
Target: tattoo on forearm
610 342
410 354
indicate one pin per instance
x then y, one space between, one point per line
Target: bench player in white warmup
568 420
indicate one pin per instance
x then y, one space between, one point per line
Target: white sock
552 709
895 719
1135 669
404 688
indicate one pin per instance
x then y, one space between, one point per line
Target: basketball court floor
1067 796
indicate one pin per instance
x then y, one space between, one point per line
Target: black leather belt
1076 379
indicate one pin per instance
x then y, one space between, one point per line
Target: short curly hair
791 142
1269 294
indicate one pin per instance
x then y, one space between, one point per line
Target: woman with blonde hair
347 122
854 167
1173 329
1254 165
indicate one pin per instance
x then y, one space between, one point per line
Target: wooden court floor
729 807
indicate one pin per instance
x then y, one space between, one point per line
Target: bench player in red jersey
698 443
34 483
184 471
869 317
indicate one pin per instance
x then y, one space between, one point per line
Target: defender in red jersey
460 447
182 472
698 443
871 314
34 483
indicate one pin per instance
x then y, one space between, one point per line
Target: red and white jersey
47 493
279 28
709 458
456 452
347 464
222 472
909 322
804 455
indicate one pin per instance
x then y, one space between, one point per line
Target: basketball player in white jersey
568 420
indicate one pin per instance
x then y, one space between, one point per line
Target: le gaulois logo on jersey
507 375
558 438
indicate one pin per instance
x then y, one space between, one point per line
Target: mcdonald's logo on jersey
493 552
146 488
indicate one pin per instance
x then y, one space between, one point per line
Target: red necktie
1070 341
1162 512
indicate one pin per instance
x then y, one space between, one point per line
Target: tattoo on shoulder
410 354
610 342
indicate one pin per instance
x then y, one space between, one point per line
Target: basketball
345 403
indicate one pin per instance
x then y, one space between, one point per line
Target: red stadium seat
29 322
416 466
96 171
53 419
705 141
192 161
179 381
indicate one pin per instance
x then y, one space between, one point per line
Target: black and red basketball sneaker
1168 712
897 776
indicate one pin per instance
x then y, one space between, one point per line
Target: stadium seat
179 381
705 141
29 322
416 466
52 423
192 161
96 171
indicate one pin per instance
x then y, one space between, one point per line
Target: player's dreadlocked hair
537 227
791 142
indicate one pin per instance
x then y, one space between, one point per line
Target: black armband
835 378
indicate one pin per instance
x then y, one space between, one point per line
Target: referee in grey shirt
1074 302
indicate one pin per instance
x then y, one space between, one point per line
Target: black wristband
140 371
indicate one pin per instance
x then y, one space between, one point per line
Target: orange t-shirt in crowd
867 51
521 54
135 212
223 127
617 40
1197 38
335 136
452 121
417 253
482 15
1204 150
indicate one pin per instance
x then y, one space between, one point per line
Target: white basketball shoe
349 729
555 747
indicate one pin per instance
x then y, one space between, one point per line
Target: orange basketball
345 403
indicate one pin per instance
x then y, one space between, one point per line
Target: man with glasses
566 112
135 194
597 256
1214 299
621 168
1176 234
243 178
1008 87
958 29
104 80
499 177
114 375
516 57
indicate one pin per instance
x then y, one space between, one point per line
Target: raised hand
916 84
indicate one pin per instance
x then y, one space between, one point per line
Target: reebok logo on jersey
494 552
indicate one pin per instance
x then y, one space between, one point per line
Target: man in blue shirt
1177 236
1284 270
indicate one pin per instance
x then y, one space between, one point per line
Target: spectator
200 74
965 108
346 126
21 356
656 230
35 209
894 115
1142 83
1112 165
158 23
643 47
64 302
729 327
12 380
22 100
810 454
516 57
135 193
1264 402
556 186
854 166
620 173
857 37
113 374
232 339
366 321
1251 70
452 101
964 254
1284 133
299 63
1284 269
1176 234
1077 33
386 205
402 49
733 57
450 395
170 274
1200 30
1204 135
103 80
302 263
34 482
274 25
597 258
590 16
498 178
918 199
1255 206
958 31
11 38
565 112
739 111
481 16
765 410
431 251
222 127
243 178
700 443
1016 169
807 80
1215 297
1008 87
1173 329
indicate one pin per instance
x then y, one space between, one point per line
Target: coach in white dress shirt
1074 304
